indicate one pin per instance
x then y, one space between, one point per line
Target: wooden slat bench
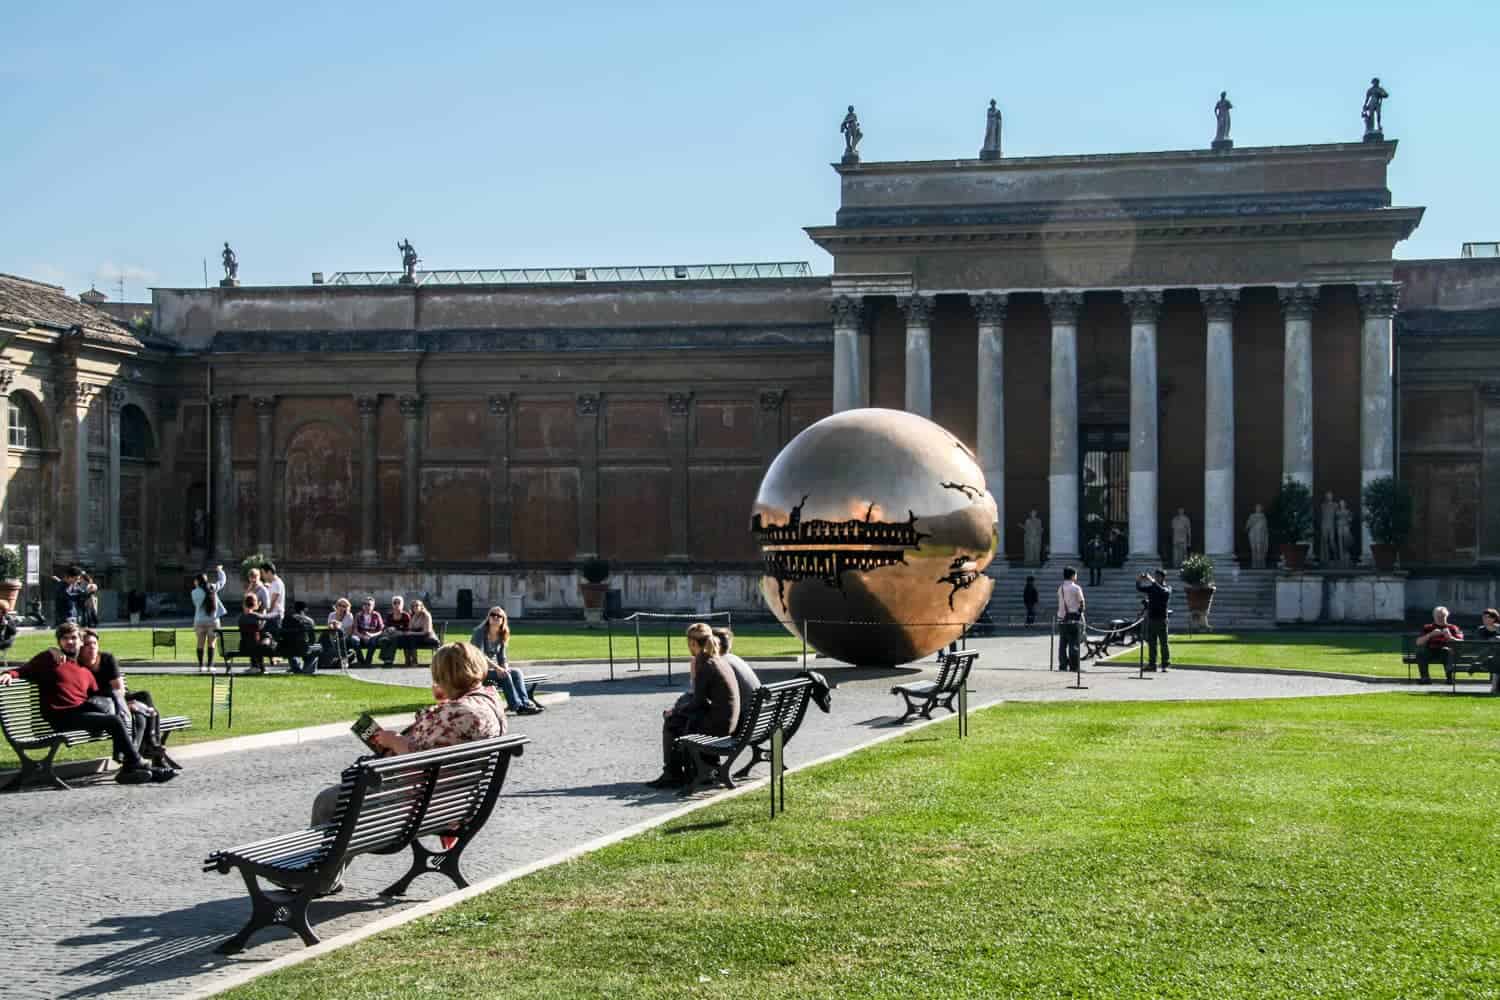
781 705
923 696
26 729
1465 656
385 804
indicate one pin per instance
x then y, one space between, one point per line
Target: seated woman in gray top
743 675
491 636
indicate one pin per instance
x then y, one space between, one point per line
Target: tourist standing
1070 608
1031 599
1154 628
275 606
207 610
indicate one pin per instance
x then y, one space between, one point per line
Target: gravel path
135 917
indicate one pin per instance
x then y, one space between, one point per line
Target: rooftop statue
231 266
852 135
409 261
1221 120
991 148
1374 97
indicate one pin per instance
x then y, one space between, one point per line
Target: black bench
781 705
385 804
1464 657
231 648
27 729
923 696
1122 634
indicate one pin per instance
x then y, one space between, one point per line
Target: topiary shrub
595 570
1291 513
1197 571
1388 510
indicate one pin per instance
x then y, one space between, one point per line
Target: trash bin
465 604
515 606
613 602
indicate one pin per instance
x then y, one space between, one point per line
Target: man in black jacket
1154 628
296 643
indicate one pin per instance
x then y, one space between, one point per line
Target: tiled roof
35 303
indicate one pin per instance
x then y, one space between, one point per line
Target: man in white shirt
1070 605
276 590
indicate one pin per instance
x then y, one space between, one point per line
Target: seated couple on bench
1437 638
723 685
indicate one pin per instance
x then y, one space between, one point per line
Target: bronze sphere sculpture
875 528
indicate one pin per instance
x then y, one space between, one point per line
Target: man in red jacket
71 699
1433 642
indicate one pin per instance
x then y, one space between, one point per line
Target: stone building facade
1116 336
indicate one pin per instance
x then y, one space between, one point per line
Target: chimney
93 297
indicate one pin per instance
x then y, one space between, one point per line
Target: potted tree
1197 572
12 572
594 572
1291 522
1388 508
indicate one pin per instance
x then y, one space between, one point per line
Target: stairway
1246 598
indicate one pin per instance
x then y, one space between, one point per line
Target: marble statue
1374 97
1328 536
409 261
1031 533
1182 536
1343 521
852 135
991 148
1221 118
1259 531
231 263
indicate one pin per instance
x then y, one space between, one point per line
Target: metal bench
1121 634
923 696
26 729
230 648
385 804
164 638
1466 656
780 706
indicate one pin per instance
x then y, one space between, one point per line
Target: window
135 434
24 430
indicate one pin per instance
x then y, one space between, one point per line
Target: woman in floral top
466 709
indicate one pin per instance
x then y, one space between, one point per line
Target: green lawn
539 641
1369 653
261 705
1289 848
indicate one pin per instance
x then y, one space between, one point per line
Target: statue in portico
991 148
852 135
1182 536
409 261
1031 534
1343 522
1374 98
1328 535
1221 120
1258 529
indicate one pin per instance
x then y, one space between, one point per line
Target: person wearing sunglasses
491 637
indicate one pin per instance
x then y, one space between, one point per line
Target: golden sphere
875 528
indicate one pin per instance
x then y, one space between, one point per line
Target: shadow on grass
716 824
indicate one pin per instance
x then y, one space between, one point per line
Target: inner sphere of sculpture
875 528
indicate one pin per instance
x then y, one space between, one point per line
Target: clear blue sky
138 137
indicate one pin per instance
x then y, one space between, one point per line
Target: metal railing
572 275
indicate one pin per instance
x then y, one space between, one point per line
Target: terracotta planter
1199 600
10 592
1384 556
593 601
1294 557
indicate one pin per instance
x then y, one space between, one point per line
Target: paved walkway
135 917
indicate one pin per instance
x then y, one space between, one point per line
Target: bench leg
757 755
424 860
285 908
704 774
911 708
31 766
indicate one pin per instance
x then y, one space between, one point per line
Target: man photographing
1154 628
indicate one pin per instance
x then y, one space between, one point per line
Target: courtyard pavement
104 892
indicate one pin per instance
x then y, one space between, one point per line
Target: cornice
1312 152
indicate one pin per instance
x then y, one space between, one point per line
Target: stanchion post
963 710
609 631
778 773
637 617
804 644
1052 642
1078 684
667 630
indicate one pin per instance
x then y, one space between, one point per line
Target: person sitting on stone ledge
297 641
368 626
256 640
397 625
1434 642
71 699
421 634
712 707
491 637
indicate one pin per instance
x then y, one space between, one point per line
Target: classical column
678 404
223 460
768 426
1377 437
990 416
1297 306
114 398
1218 432
369 481
411 476
171 519
74 397
265 471
7 377
500 478
1062 471
918 310
1145 307
849 362
588 475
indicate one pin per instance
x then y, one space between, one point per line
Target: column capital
677 403
264 406
221 405
588 404
1299 301
847 309
918 308
367 405
114 397
1219 303
76 392
1064 306
1377 300
411 406
990 307
7 376
1144 304
500 405
771 399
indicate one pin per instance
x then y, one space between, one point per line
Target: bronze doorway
1104 484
